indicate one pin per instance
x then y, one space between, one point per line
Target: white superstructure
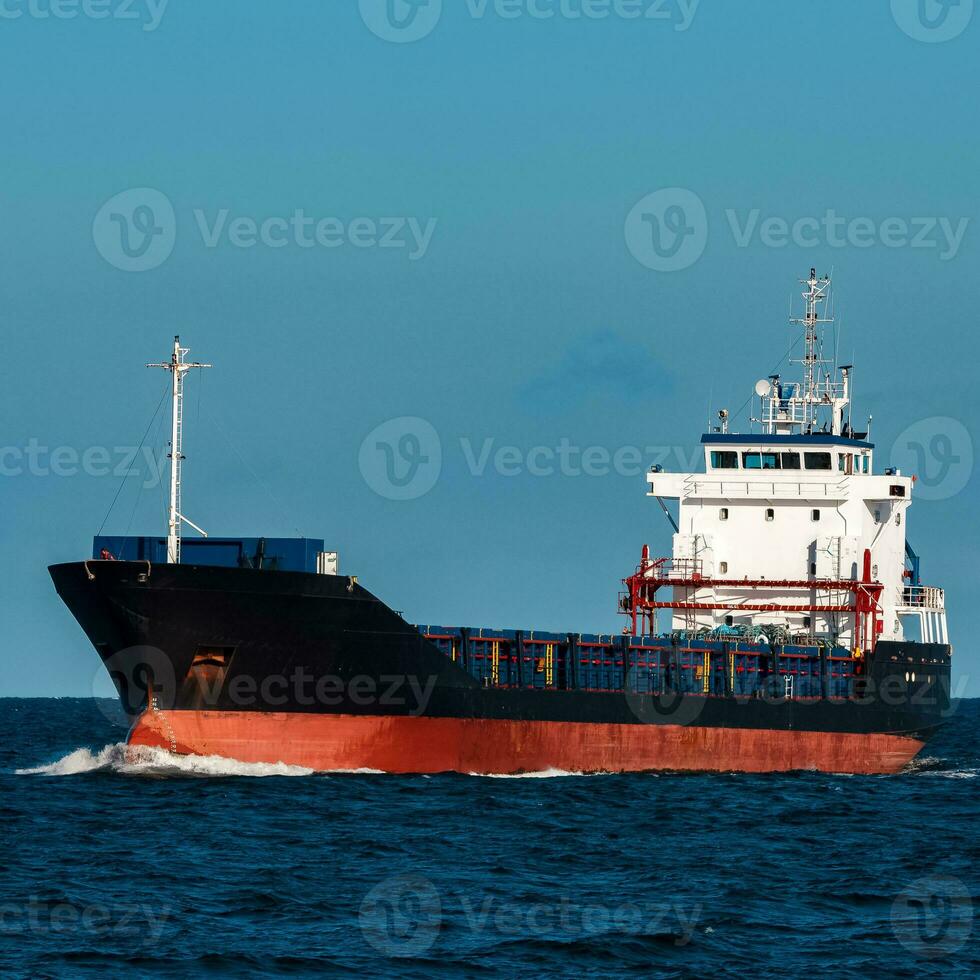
792 528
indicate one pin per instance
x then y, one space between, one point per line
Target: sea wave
143 760
929 765
953 773
542 774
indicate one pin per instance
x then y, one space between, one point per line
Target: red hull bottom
400 744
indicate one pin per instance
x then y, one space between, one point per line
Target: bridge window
760 461
866 464
790 461
817 461
723 460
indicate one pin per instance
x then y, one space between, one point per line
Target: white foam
934 766
542 774
923 763
353 772
143 760
953 773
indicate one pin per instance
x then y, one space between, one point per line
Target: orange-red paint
473 745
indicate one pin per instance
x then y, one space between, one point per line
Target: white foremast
177 367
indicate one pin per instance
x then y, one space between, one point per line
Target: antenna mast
788 406
814 294
177 367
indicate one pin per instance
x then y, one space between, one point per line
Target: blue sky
366 230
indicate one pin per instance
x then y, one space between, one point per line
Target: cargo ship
787 629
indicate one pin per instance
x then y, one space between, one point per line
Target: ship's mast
177 367
794 408
814 294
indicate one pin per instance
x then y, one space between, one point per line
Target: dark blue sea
170 867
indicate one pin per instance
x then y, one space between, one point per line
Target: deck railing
674 568
923 597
